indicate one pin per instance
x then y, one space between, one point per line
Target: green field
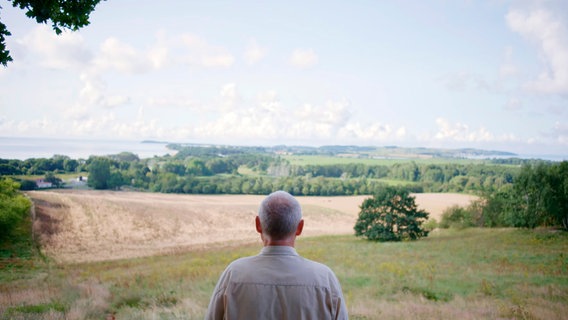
452 274
303 160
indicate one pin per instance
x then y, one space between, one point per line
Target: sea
27 148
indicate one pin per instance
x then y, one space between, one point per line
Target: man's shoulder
240 262
317 266
320 271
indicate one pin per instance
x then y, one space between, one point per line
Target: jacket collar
278 250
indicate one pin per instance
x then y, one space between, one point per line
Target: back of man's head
279 213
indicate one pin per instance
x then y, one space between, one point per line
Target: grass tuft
36 308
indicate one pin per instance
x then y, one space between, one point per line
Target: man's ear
300 227
258 225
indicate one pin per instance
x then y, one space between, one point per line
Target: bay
26 148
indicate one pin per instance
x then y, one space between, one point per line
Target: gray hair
279 213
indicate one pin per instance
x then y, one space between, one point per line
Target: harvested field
81 226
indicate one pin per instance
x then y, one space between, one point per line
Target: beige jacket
277 284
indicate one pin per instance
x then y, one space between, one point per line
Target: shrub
430 224
26 185
457 217
13 207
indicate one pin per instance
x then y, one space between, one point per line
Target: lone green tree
391 215
63 14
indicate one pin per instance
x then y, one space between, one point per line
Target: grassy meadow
452 274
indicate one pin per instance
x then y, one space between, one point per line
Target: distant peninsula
351 151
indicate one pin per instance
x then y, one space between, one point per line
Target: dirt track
78 226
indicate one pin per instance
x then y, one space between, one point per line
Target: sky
487 74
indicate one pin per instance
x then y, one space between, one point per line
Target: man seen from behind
277 283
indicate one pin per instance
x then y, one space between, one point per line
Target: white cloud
373 132
138 128
222 60
41 124
241 124
201 53
91 94
269 120
30 127
550 34
115 101
269 101
95 93
459 132
333 113
93 125
117 55
304 58
193 41
401 133
230 98
77 113
355 132
175 102
319 122
67 50
159 57
112 127
254 52
165 52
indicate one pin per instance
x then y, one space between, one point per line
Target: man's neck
284 242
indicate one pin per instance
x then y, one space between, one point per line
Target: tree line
212 170
538 197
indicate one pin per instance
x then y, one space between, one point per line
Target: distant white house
41 184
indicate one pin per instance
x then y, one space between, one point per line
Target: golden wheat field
84 226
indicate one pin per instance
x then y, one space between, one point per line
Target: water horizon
22 148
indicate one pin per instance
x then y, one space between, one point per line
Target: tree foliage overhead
391 215
63 14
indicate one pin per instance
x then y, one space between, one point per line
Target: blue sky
487 74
